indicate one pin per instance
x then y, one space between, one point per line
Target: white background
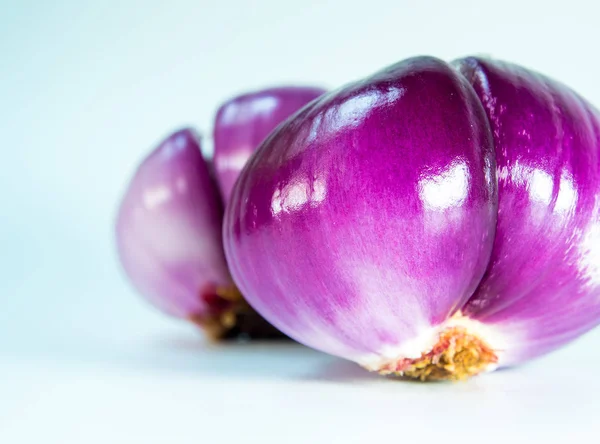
87 88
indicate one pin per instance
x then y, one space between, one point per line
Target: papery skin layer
169 229
543 280
369 217
243 122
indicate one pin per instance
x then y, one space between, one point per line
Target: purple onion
169 241
168 229
365 226
243 122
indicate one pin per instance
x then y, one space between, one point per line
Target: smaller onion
168 234
243 122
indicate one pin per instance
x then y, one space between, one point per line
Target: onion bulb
244 121
433 221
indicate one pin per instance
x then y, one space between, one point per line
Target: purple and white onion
243 122
433 220
168 229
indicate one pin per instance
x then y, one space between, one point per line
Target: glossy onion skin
169 228
243 122
543 280
370 216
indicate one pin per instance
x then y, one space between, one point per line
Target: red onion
243 122
168 239
365 226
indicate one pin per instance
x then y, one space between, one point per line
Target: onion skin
243 122
543 280
369 216
168 229
169 241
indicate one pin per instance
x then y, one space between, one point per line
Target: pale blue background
87 88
